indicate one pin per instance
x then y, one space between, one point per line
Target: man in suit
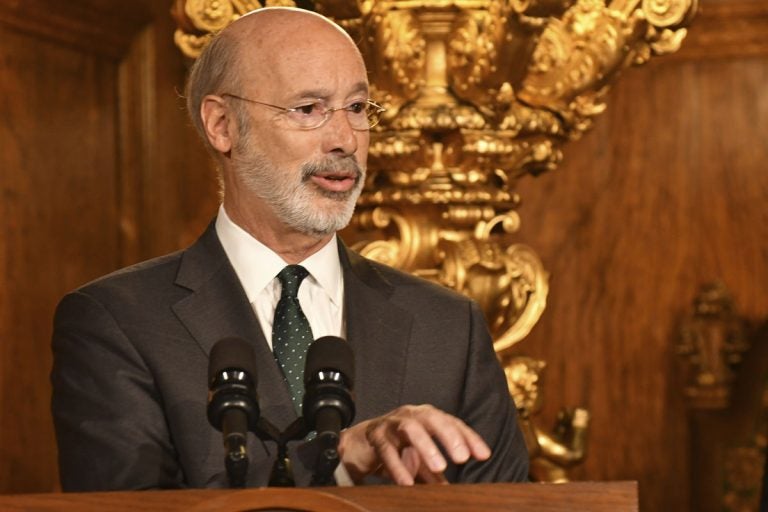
280 98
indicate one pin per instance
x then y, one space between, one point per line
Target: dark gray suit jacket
131 357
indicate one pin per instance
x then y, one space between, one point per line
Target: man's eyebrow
324 94
361 86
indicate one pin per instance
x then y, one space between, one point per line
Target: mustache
347 166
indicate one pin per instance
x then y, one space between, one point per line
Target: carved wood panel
669 191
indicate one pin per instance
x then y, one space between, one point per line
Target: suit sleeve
488 408
107 412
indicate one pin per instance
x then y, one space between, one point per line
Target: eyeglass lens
361 115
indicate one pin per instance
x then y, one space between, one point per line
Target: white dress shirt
321 293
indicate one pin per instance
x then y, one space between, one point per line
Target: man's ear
216 122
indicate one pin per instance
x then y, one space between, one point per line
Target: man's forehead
291 35
306 84
318 68
284 25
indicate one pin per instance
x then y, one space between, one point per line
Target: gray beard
302 205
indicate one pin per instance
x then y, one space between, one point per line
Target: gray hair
213 71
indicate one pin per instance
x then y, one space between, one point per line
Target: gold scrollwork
509 283
667 13
403 51
575 55
198 20
210 15
551 452
404 240
527 296
190 44
478 93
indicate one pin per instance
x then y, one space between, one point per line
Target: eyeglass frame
326 115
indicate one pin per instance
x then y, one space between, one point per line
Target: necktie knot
290 279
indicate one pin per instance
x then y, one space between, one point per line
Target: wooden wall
670 190
99 168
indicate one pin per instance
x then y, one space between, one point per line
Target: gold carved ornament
552 453
712 341
478 94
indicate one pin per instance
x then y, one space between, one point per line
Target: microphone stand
236 460
236 464
327 408
282 472
328 454
325 466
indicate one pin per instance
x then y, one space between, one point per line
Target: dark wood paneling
99 169
730 442
726 28
57 155
103 27
180 187
168 182
667 192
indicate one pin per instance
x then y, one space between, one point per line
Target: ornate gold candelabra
478 93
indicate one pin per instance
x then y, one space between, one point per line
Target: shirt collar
256 265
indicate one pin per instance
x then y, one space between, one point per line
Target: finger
387 447
412 460
462 443
356 453
417 432
459 440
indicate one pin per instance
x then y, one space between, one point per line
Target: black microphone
232 404
328 405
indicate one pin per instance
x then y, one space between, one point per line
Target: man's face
309 179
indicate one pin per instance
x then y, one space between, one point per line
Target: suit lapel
378 332
218 308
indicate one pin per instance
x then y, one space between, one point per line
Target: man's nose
339 135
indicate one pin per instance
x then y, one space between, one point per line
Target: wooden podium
575 496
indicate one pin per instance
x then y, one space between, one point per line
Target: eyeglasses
362 115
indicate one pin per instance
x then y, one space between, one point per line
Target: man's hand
401 445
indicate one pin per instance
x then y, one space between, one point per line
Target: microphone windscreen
330 353
230 354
